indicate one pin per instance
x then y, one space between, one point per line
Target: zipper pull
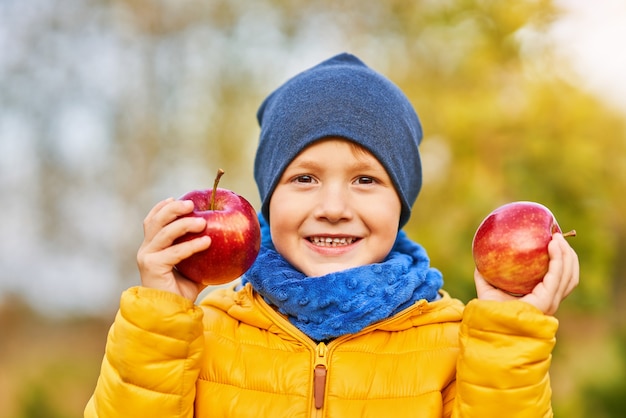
320 385
319 376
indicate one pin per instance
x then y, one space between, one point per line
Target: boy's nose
333 204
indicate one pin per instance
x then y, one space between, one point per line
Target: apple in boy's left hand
510 247
232 225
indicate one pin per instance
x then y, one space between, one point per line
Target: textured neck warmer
345 302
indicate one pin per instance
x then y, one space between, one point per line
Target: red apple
235 233
510 247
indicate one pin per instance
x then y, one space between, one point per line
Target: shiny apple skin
510 247
235 237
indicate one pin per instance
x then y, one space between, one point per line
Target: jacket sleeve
504 361
152 358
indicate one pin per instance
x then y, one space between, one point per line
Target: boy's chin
324 269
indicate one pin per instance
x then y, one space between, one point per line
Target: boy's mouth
332 241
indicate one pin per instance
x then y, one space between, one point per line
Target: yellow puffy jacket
234 356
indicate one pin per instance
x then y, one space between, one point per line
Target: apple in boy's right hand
510 247
232 225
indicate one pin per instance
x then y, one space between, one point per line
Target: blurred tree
605 399
36 403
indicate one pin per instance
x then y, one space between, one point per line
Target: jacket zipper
320 369
319 376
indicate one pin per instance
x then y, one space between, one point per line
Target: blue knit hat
340 97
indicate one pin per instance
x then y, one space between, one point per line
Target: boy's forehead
360 153
356 148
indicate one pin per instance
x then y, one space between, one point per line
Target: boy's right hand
158 254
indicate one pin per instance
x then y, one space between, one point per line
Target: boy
341 314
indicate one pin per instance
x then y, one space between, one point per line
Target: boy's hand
560 280
157 255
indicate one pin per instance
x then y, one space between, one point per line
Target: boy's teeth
331 242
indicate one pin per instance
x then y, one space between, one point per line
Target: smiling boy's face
334 208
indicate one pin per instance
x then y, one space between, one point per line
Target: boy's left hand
560 280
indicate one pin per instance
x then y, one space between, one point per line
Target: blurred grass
48 367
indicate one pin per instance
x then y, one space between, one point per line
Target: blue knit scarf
344 302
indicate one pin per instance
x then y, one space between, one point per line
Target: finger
172 255
545 295
151 252
164 214
575 272
161 263
186 249
482 285
168 234
553 279
486 291
566 273
561 278
155 209
570 273
159 206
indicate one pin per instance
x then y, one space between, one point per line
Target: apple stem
571 233
220 172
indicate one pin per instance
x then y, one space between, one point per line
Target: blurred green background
109 106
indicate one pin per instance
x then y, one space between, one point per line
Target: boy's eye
365 180
304 179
